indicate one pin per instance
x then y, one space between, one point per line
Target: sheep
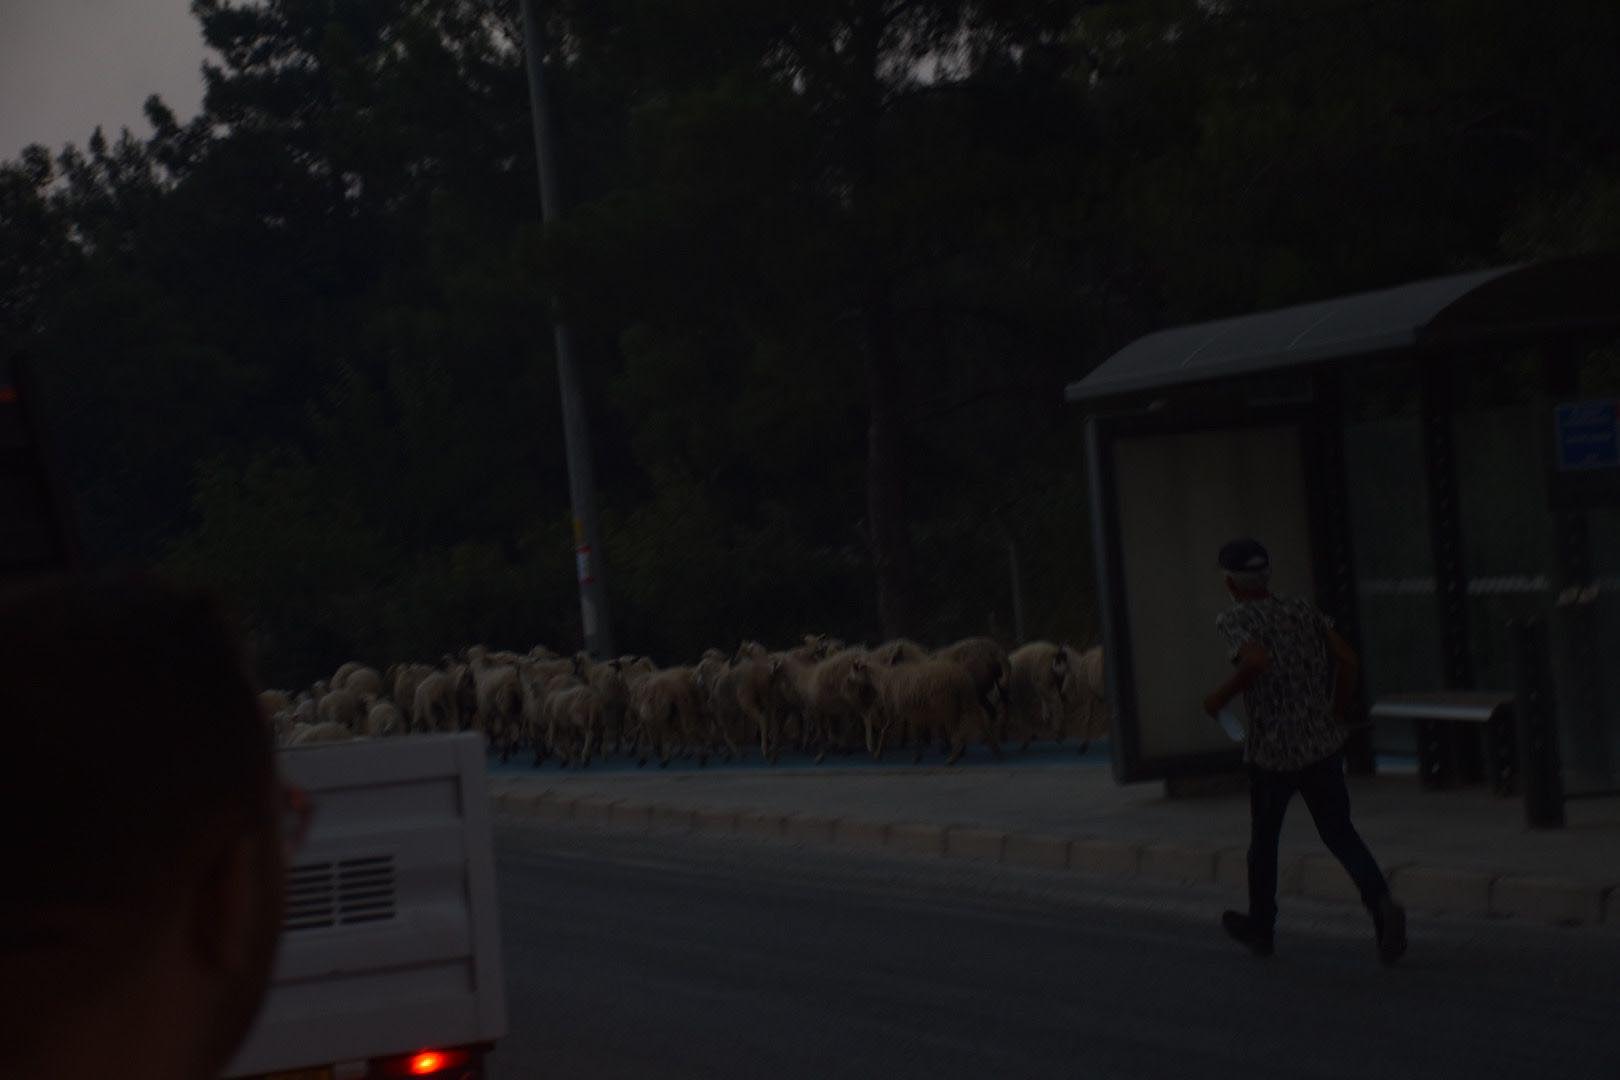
363 681
499 702
324 732
741 697
990 667
1084 712
899 651
435 706
343 707
612 686
340 677
573 714
274 702
1035 691
383 719
533 677
834 713
715 704
402 681
933 698
664 705
282 724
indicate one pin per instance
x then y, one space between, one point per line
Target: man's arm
1346 666
1252 659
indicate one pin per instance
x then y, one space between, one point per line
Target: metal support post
1541 778
576 432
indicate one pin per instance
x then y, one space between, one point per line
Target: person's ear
233 897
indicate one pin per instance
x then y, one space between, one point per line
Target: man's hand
1252 659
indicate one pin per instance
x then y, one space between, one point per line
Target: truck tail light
438 1063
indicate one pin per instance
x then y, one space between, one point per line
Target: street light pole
576 432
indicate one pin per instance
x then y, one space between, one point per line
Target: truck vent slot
340 892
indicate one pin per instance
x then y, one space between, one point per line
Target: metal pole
1541 778
576 433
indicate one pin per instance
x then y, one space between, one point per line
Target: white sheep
343 707
383 719
363 681
435 707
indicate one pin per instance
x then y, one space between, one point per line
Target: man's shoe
1243 929
1389 924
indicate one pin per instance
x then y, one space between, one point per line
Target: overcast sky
68 65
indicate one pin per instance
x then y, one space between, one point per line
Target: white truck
390 958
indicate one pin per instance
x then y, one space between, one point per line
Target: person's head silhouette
144 833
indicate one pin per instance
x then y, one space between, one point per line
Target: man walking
1296 675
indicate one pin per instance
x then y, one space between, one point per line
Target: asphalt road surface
650 957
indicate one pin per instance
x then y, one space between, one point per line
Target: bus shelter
1427 462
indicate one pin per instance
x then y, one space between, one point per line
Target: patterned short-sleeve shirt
1290 705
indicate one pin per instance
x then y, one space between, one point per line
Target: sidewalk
1463 850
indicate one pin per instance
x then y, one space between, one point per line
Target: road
662 956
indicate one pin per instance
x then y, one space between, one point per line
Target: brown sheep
990 667
721 719
666 714
899 651
835 714
932 698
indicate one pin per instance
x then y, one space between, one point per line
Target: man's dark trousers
1322 787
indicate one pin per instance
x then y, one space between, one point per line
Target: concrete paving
1463 850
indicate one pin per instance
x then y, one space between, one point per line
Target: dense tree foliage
830 261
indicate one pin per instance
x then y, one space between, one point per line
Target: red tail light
441 1063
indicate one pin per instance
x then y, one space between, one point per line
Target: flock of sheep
822 696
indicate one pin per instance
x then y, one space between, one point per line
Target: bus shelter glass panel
1181 496
1587 678
1501 444
1390 538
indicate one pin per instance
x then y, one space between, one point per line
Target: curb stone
595 808
1048 851
917 839
962 842
1177 862
860 834
1466 891
810 828
1106 858
1561 901
1557 900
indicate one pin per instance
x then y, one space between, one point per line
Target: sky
68 65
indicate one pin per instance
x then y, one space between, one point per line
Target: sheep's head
859 680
